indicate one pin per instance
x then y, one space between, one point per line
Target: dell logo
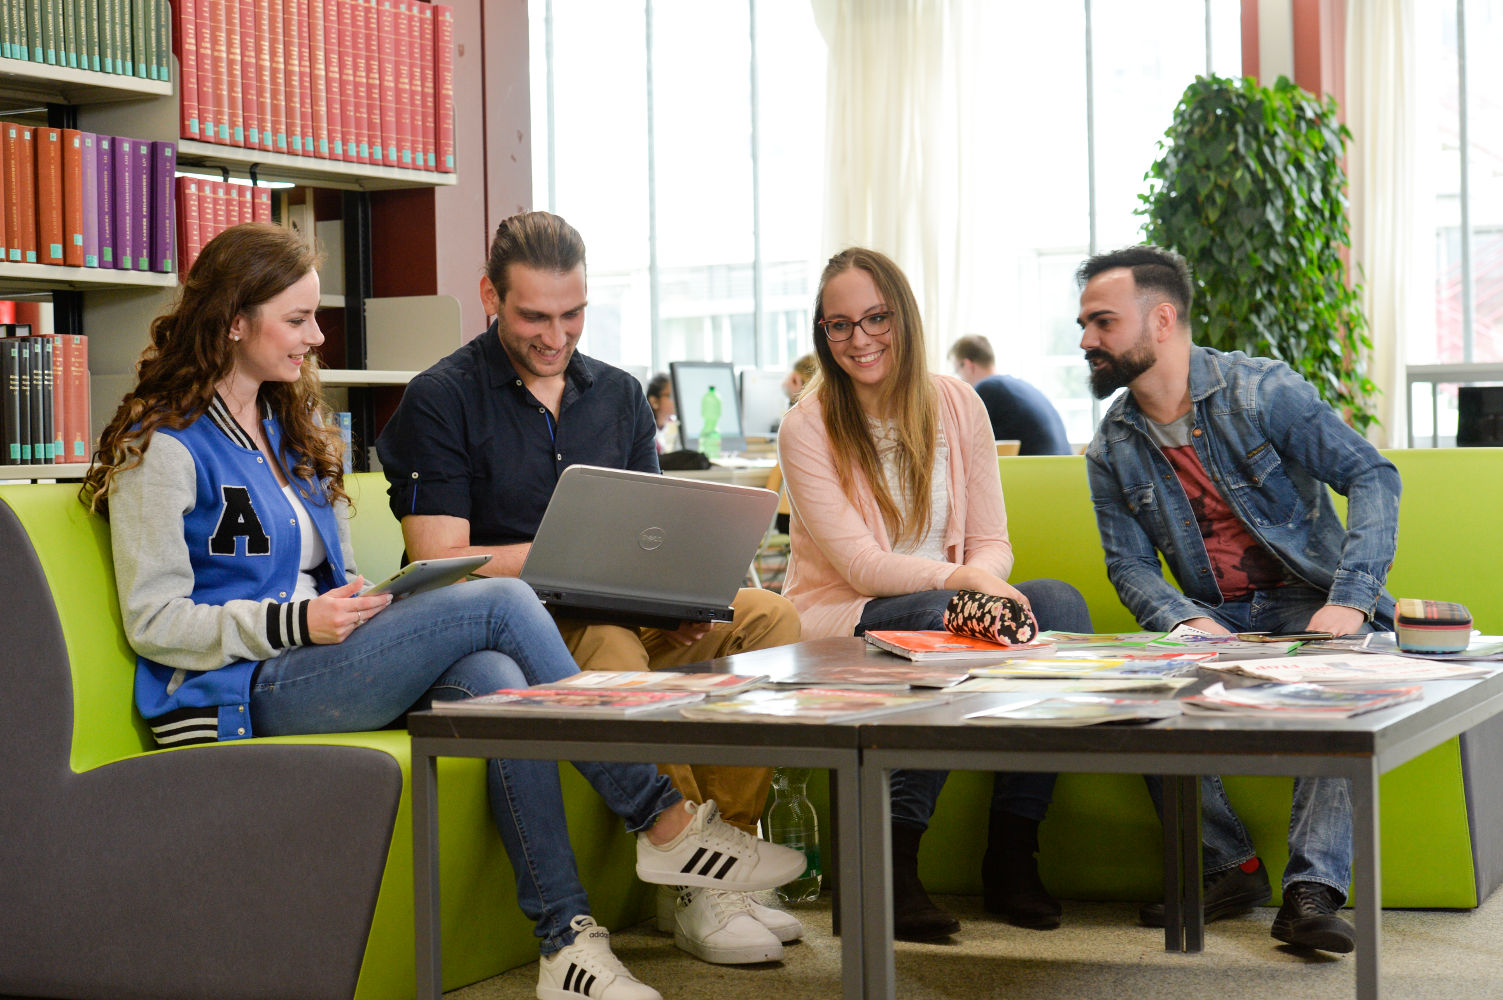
650 538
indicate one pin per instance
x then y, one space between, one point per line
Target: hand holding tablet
425 574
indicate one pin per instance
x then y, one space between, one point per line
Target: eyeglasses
875 325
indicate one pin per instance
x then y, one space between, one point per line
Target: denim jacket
1272 446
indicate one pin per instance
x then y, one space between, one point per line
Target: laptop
645 550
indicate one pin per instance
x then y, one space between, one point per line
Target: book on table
1302 700
1337 668
654 680
939 646
809 705
1076 710
583 703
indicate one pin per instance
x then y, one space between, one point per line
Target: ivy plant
1250 189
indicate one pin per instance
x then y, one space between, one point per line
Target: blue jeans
447 644
1320 822
1056 605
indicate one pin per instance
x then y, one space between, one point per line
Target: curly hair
190 352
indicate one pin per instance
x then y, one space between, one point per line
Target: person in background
1221 463
222 478
660 399
1018 410
897 505
799 376
472 455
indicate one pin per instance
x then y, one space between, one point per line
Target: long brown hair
190 352
907 399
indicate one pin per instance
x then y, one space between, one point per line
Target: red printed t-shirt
1241 565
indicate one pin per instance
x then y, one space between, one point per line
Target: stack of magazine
808 705
1075 710
939 646
1298 700
609 693
1337 668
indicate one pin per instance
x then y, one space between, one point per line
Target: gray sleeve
346 547
154 574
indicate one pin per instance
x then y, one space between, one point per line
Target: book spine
10 399
187 223
443 85
266 82
76 398
280 96
163 216
208 91
386 40
73 30
305 77
425 101
23 400
34 29
49 201
104 152
73 197
162 20
402 19
318 58
142 38
5 213
141 165
52 16
352 65
221 209
292 57
250 74
368 44
245 197
125 203
89 186
10 143
26 193
185 47
261 205
39 399
234 44
220 46
333 79
57 384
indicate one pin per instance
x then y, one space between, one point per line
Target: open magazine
1053 685
939 646
1297 700
654 680
1339 668
1076 710
886 675
808 705
1058 667
583 703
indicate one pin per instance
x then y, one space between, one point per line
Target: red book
10 150
230 68
189 239
4 223
404 90
277 60
386 50
245 211
443 86
351 29
292 82
267 120
49 195
261 205
251 70
305 77
424 61
220 40
221 200
77 438
318 57
185 47
73 198
333 79
26 197
206 202
208 94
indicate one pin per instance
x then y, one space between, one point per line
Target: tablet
425 574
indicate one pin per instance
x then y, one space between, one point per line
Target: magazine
939 646
1334 668
889 676
982 685
654 680
584 703
809 705
1076 710
1160 666
1297 700
1482 647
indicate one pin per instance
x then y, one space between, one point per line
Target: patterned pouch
986 616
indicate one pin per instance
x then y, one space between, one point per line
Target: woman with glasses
897 504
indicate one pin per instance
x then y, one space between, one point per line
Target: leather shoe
1308 918
1225 894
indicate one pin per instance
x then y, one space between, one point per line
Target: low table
861 756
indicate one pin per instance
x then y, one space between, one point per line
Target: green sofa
1442 813
267 867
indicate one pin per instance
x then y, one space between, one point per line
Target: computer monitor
691 380
763 402
1479 416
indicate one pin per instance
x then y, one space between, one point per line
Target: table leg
1367 886
1184 917
425 887
845 794
872 936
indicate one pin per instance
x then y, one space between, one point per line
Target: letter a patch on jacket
237 519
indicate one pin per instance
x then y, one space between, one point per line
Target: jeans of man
444 645
1056 605
1320 822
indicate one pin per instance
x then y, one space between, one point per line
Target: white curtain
1390 246
897 164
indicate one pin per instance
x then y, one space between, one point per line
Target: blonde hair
907 399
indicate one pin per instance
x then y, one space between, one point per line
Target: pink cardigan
841 555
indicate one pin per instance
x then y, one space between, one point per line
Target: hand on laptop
688 633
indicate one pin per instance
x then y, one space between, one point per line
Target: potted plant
1250 189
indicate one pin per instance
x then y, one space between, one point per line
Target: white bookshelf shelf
305 170
361 377
42 84
54 278
69 470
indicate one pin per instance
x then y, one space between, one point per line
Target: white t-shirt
932 545
311 550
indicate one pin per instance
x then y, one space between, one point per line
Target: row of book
365 81
44 398
124 37
79 199
207 208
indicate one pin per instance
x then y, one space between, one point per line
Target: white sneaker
587 968
718 927
710 853
784 925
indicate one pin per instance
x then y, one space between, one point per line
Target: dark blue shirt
1020 412
469 440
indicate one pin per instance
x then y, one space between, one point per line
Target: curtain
1390 247
898 167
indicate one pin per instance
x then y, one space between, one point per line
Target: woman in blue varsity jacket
221 477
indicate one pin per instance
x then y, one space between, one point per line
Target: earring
235 337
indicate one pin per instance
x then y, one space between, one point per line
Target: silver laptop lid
673 547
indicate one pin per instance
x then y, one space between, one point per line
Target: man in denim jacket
1221 463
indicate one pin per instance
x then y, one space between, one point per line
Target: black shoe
1308 919
1010 883
915 917
1226 894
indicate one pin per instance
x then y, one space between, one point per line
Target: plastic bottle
709 433
791 822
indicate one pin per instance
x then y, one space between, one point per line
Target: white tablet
425 574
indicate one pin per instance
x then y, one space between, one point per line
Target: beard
1118 371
